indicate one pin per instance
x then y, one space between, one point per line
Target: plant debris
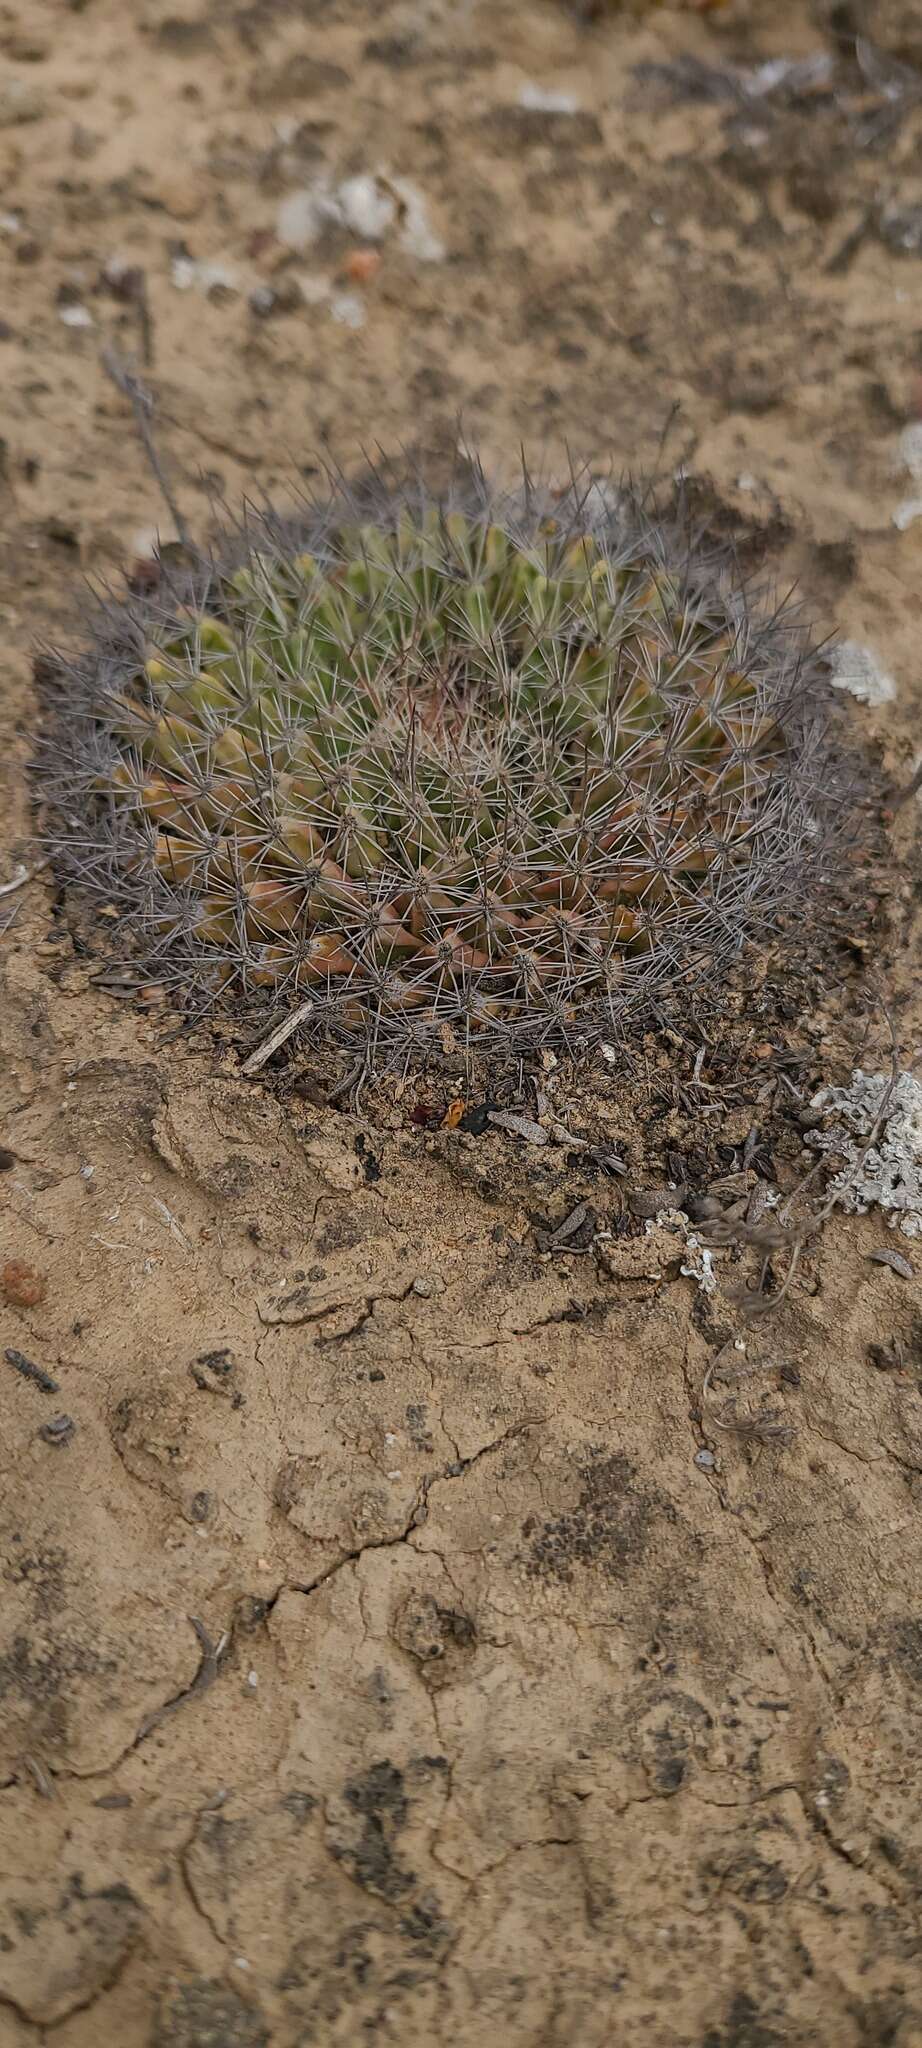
36 1373
887 1257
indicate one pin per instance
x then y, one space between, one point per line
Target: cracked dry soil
376 1661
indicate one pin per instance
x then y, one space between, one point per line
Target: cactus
512 765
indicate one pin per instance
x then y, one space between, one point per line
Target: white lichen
700 1264
890 1172
699 1261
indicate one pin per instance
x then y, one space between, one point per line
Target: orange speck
360 267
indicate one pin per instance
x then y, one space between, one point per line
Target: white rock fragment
75 316
891 1173
910 451
909 458
348 309
370 204
365 206
314 289
297 221
145 543
906 512
857 670
416 236
537 99
800 73
206 277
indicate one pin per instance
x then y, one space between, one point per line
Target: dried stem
143 407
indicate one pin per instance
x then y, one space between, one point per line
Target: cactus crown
509 766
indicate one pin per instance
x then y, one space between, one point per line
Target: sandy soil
397 1647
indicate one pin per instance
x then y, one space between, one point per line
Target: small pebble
539 99
427 1284
857 669
706 1460
348 309
59 1430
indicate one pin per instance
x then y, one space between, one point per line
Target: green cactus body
445 765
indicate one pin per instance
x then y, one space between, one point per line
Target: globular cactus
508 765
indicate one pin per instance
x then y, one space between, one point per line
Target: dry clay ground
396 1648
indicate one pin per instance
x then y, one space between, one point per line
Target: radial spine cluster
513 766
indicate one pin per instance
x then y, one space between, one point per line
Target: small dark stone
370 1166
300 1806
204 2014
218 1361
887 1357
36 1373
60 1430
475 1120
250 1611
184 38
396 51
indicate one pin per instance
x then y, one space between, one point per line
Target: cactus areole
515 766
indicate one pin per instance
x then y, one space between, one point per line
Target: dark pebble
36 1373
59 1431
